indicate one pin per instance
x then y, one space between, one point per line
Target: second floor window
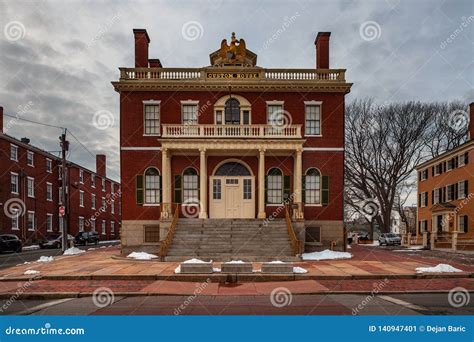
30 158
14 183
49 191
49 165
313 120
14 152
190 114
152 119
275 115
31 187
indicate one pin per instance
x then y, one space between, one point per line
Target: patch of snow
108 241
91 249
216 269
276 262
326 255
45 259
31 272
177 269
417 248
31 248
25 263
349 247
103 247
440 268
73 251
257 271
374 243
141 256
196 261
235 262
298 269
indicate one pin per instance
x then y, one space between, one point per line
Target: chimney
141 48
155 63
100 165
25 140
470 134
1 119
322 50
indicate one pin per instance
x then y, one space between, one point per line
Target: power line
34 122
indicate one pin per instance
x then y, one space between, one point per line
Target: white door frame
218 207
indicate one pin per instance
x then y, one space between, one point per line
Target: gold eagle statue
233 53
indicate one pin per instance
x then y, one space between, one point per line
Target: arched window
190 186
232 112
232 169
313 186
274 186
152 186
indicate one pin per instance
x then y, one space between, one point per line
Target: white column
203 184
166 184
297 183
261 184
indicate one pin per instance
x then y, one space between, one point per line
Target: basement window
152 234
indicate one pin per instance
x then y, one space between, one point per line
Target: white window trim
103 184
187 102
49 184
47 228
81 218
102 226
274 103
34 220
27 192
16 154
150 102
458 228
190 102
30 153
459 194
17 183
314 103
93 226
51 162
423 202
93 201
461 157
17 223
81 196
423 178
81 179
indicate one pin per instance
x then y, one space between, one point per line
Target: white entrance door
232 197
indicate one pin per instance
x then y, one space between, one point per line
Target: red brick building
231 140
30 183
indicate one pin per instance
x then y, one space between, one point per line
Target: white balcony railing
231 131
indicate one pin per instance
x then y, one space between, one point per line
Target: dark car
55 241
10 243
85 238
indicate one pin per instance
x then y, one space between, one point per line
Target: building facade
231 140
446 197
30 188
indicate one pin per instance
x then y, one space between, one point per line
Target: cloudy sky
57 58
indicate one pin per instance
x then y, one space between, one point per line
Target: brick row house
446 197
231 141
30 186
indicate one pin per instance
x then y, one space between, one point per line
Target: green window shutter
161 188
303 189
325 191
266 189
199 189
139 189
286 188
177 189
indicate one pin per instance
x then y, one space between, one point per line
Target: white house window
463 223
93 201
81 176
14 183
61 224
190 114
219 117
312 119
31 186
190 186
15 222
424 175
103 184
93 180
31 222
112 207
152 186
275 186
103 227
423 199
216 189
81 223
81 198
313 186
30 158
112 191
450 192
152 119
93 224
247 189
104 205
49 222
112 226
436 193
275 115
14 152
49 165
49 191
462 189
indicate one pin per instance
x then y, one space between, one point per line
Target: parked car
390 239
10 243
85 238
55 241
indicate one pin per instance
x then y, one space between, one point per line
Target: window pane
190 114
313 120
152 119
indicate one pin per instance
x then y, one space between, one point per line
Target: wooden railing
166 243
238 74
231 131
295 243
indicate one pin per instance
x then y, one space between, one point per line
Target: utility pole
64 148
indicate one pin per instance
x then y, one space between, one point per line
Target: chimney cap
136 31
321 34
155 61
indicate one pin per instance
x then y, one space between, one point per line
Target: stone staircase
231 239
